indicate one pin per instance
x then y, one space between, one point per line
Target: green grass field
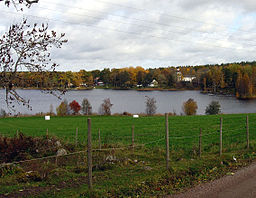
184 130
129 176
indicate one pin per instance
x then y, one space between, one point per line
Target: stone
58 144
61 152
147 168
111 158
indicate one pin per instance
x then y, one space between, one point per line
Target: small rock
230 173
148 168
58 144
111 158
61 152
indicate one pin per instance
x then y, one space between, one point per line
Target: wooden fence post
247 132
76 136
133 137
47 133
89 153
56 161
17 133
167 140
221 120
99 140
200 143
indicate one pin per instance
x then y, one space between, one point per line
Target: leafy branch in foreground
26 47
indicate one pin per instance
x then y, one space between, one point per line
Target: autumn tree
150 106
86 107
217 77
190 107
105 76
213 108
140 76
244 86
62 109
105 107
75 107
51 110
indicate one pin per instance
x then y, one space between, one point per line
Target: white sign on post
135 116
47 117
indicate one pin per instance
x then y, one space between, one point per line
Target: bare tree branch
27 3
26 47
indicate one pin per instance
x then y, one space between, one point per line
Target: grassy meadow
184 130
138 173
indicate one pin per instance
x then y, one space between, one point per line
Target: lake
132 101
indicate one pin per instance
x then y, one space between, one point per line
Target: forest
237 79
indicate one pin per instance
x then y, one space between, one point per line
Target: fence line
225 135
41 158
219 134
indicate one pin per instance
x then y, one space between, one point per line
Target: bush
51 113
213 108
62 109
190 107
3 113
86 107
150 106
23 147
75 107
105 108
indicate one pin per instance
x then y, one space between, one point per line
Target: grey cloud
179 32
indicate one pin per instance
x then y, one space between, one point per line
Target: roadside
241 184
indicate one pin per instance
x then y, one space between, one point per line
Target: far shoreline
139 90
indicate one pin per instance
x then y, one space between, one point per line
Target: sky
148 33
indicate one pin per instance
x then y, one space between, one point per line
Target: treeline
235 78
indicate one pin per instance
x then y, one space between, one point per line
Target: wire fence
193 139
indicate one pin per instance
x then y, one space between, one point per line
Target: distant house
154 83
70 85
188 78
184 78
97 82
83 85
100 83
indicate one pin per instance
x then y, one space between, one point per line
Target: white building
188 78
154 83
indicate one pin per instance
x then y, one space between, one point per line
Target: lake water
132 101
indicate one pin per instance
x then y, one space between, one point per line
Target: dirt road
240 185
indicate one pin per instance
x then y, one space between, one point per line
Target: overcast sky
147 33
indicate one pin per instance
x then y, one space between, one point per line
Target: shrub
3 113
126 113
62 109
23 147
150 106
105 108
190 107
213 108
75 107
86 107
51 113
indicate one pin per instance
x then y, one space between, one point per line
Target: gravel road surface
240 185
